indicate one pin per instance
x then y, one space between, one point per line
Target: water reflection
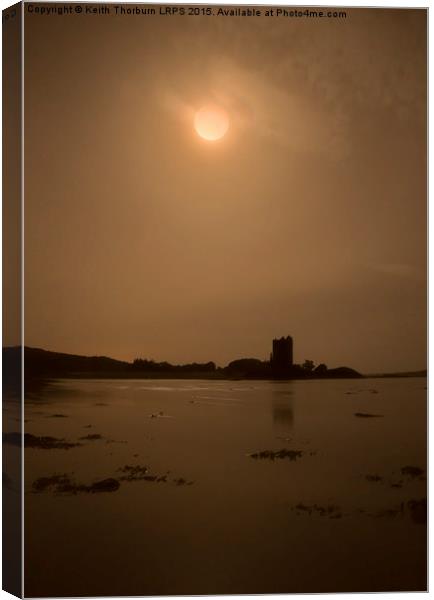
282 410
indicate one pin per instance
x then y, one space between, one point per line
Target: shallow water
333 518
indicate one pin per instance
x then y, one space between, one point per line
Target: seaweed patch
277 455
141 473
63 484
367 415
40 442
418 510
373 478
412 472
57 416
330 511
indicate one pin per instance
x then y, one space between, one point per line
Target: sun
211 123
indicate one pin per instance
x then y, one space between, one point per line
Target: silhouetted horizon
42 362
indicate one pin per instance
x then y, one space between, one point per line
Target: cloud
262 108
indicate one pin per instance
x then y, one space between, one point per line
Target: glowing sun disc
211 123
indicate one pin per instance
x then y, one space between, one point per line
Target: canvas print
214 347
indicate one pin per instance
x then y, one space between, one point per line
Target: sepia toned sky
308 218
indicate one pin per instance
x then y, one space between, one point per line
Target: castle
281 358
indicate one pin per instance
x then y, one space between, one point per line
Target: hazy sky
308 218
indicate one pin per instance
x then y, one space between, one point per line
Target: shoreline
216 377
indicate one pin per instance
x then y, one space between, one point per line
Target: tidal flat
224 487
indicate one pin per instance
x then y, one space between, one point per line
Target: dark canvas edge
12 295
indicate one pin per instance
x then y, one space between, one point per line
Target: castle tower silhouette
281 358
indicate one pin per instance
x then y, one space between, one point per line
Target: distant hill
421 373
342 373
43 363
